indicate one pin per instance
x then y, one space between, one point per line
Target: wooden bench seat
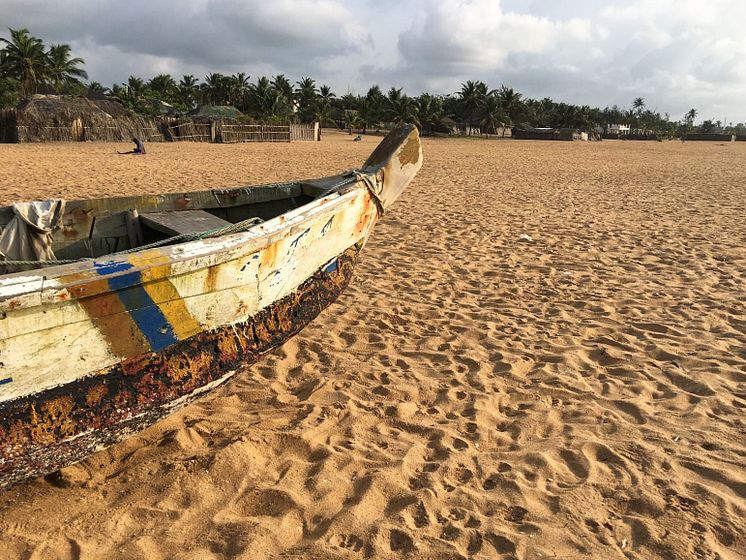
182 221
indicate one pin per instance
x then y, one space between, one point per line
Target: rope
371 183
41 263
352 176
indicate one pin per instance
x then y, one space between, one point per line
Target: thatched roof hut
110 106
446 125
44 118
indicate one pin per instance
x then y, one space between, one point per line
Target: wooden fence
191 132
14 128
233 133
304 132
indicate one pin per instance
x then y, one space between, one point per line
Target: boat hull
96 350
45 431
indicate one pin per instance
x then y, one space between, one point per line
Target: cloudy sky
676 54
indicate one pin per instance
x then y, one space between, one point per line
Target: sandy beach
542 355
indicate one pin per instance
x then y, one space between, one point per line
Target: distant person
358 138
139 148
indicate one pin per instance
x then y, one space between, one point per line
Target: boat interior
92 228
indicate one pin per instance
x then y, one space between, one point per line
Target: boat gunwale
21 294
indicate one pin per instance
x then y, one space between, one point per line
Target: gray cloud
676 54
221 35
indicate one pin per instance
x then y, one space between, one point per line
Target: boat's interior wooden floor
96 227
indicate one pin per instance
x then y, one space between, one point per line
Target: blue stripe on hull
144 312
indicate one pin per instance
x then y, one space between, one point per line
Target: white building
618 129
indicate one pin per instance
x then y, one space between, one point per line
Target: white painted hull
93 350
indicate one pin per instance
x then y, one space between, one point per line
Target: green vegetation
27 67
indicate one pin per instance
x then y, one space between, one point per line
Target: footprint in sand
399 541
463 474
459 444
577 463
502 545
476 542
450 532
420 516
351 542
270 502
689 385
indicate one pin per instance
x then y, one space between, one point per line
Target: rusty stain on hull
48 430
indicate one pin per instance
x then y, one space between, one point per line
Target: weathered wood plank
214 198
134 231
181 222
76 222
114 225
321 186
167 304
17 290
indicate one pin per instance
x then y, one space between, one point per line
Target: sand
473 394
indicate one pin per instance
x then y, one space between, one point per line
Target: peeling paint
136 336
46 431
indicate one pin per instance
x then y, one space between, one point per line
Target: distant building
619 129
626 132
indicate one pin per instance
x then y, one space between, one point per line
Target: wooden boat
94 350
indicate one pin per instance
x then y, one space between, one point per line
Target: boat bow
395 162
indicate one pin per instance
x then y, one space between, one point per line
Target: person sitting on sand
139 148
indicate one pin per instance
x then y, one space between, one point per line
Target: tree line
27 66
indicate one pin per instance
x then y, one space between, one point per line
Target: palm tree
367 114
638 105
263 98
325 93
63 70
125 95
471 100
492 115
322 111
24 59
163 87
187 90
283 85
375 106
96 88
136 86
430 112
349 101
306 93
351 119
583 118
690 116
402 108
511 101
394 95
543 112
215 89
239 86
